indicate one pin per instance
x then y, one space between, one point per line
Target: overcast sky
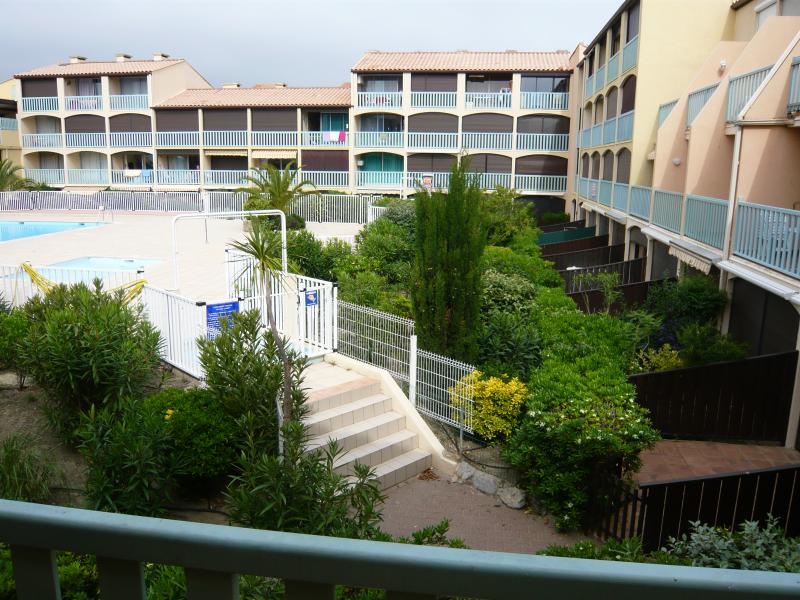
300 42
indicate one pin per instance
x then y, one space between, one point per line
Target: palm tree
264 246
9 180
272 187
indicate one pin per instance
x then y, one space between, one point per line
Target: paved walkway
679 459
474 517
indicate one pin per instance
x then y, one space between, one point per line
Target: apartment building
9 135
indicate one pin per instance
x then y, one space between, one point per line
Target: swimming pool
107 263
14 230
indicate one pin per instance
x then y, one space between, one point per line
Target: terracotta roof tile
463 61
260 96
110 67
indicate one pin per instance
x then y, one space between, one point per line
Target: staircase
353 410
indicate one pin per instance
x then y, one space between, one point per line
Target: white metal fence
334 208
16 286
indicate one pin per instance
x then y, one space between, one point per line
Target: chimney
231 86
160 56
281 84
122 57
77 59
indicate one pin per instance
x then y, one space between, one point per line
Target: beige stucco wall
772 101
745 22
769 172
168 82
10 140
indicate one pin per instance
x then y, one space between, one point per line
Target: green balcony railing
667 210
768 236
630 54
741 88
605 193
705 220
664 111
697 100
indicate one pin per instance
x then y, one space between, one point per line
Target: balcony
640 202
42 140
380 179
81 103
129 102
87 176
327 179
379 99
494 100
588 86
178 139
178 176
741 88
46 176
665 110
131 139
273 139
630 54
8 124
667 210
705 220
86 140
487 141
586 137
794 91
545 142
605 193
132 177
379 139
625 127
489 181
40 104
437 141
597 135
226 177
225 139
610 131
323 138
600 78
553 184
768 236
613 68
697 100
439 181
433 99
544 100
619 196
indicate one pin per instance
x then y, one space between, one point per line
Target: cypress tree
446 274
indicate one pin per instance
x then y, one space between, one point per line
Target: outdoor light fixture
676 162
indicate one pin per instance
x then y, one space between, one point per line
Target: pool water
107 263
14 230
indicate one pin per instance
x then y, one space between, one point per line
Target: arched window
624 166
596 165
611 103
489 163
585 165
598 110
608 165
628 95
541 164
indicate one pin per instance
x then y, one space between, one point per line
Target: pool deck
144 235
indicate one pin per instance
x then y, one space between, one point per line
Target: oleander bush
703 344
694 299
530 266
505 293
14 326
387 249
508 344
497 402
504 216
551 218
25 474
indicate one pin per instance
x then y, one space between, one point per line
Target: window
380 83
545 84
92 160
624 166
543 124
87 86
628 95
601 52
764 11
47 124
129 86
608 166
598 111
611 103
333 122
633 22
616 38
595 166
381 123
488 83
585 166
790 8
49 160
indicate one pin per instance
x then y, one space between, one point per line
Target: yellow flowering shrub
496 403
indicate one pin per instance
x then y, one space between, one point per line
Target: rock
464 471
483 482
512 497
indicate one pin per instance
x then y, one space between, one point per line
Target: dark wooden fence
629 271
633 295
745 399
657 511
562 226
588 258
573 245
566 235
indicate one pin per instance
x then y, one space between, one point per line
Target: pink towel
342 136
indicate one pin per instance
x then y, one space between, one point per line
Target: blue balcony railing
768 236
488 141
178 139
794 87
327 179
553 184
227 177
129 102
379 139
40 104
87 177
605 193
630 54
380 178
225 139
600 78
697 100
86 140
667 210
588 86
80 103
8 124
131 139
272 139
597 134
379 99
178 177
47 176
133 177
42 140
498 100
625 127
613 68
640 202
610 131
741 88
544 142
705 220
664 111
619 197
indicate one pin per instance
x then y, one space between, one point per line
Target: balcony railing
86 140
433 99
79 103
697 100
741 88
613 68
768 236
133 177
794 88
178 176
87 176
329 179
667 210
380 178
554 184
640 202
625 127
664 111
605 193
379 139
705 220
47 176
272 139
588 86
42 140
178 139
445 141
227 177
610 131
487 141
630 54
600 78
490 181
619 196
40 104
586 137
129 102
225 139
439 181
131 139
487 100
323 138
546 142
8 124
597 135
544 100
380 99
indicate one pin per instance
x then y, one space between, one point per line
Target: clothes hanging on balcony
342 137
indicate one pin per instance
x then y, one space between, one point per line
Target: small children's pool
107 263
14 230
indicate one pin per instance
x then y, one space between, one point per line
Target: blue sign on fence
312 298
215 313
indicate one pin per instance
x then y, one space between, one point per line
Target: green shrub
387 249
506 293
403 213
551 218
530 266
13 333
25 474
703 344
77 576
370 289
650 360
295 222
504 216
131 461
693 299
86 346
205 436
508 344
497 403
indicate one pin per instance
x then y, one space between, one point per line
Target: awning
618 216
281 154
226 152
655 234
693 255
773 286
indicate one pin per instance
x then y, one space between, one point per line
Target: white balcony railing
129 102
327 179
178 176
546 142
438 181
87 176
40 104
442 141
487 141
379 139
42 140
490 181
272 139
226 177
133 177
380 99
380 178
501 100
180 139
323 138
8 124
47 176
86 140
79 103
545 100
225 139
433 99
131 139
555 184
